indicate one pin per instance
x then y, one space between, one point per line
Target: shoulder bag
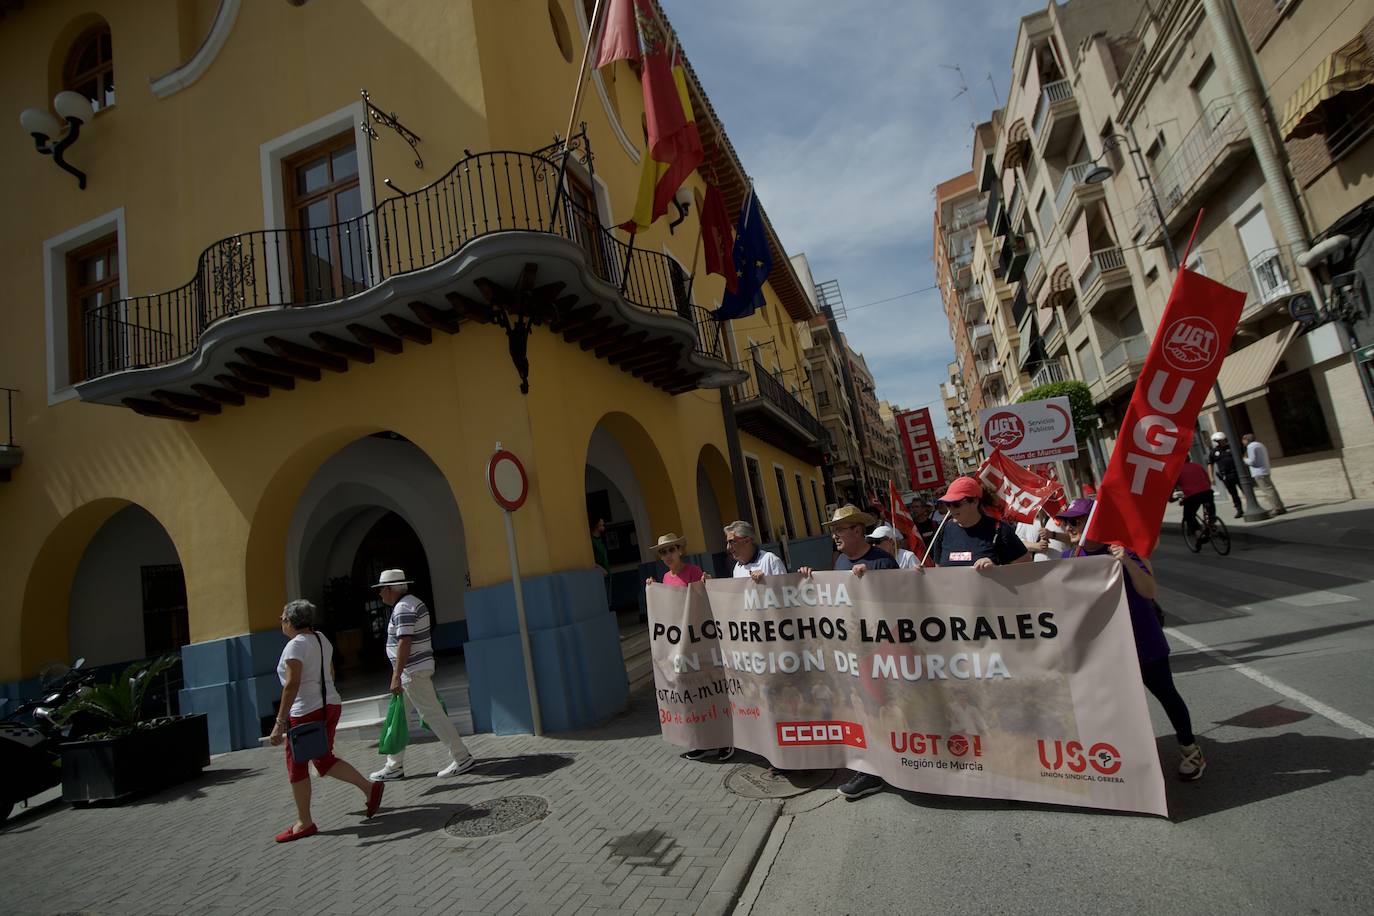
310 740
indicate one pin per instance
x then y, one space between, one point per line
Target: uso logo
1004 430
1102 757
1190 344
810 734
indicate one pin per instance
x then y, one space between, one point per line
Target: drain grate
497 815
750 781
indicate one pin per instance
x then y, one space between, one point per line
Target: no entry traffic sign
507 479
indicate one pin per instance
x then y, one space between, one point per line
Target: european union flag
753 262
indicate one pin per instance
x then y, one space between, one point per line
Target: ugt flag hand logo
1190 344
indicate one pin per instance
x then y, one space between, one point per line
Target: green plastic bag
395 730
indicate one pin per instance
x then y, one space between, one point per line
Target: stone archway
715 487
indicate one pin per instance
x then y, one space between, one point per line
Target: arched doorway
715 487
380 503
128 598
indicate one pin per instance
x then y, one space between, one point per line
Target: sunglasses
1071 522
667 550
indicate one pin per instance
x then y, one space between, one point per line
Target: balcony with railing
1104 273
972 302
979 334
1011 259
267 308
1074 193
1055 112
1269 277
766 409
1121 364
1034 271
1052 371
11 455
1215 144
969 214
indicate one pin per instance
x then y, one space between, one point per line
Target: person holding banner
1151 647
884 537
680 573
749 559
856 554
975 538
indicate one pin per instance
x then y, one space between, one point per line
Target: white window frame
274 152
55 306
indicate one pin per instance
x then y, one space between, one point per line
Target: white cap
1218 437
883 532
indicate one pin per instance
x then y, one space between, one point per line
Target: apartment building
876 446
1124 123
901 476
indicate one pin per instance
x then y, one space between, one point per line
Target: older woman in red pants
308 694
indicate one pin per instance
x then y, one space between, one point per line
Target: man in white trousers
411 651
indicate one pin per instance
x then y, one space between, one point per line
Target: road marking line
1317 706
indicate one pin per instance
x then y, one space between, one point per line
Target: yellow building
270 347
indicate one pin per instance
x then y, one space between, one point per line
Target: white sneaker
459 766
1192 764
388 772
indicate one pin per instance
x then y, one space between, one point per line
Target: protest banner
1016 683
1031 430
1183 363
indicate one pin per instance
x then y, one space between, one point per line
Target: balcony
1270 277
1049 373
1011 260
1121 364
972 303
11 455
979 333
1034 271
994 212
1103 274
494 240
1055 113
1205 158
766 409
1075 194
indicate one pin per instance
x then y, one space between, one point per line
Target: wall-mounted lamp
47 131
683 201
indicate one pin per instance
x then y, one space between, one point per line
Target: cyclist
1196 487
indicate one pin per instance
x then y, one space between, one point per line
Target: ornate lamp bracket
389 119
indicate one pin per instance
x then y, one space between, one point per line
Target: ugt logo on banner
1184 361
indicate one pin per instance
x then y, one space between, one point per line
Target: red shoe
289 834
374 798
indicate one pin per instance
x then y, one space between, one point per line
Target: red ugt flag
1184 361
1022 491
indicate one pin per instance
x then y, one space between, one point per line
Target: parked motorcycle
30 740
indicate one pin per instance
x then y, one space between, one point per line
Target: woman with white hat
680 573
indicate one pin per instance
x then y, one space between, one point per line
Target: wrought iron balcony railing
1099 263
1049 372
1058 91
762 384
481 194
1269 275
1218 127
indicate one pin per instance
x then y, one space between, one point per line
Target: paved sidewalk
631 827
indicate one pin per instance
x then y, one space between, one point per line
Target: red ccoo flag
1184 361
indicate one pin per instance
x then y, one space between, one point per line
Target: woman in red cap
969 536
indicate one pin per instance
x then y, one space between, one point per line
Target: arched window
90 67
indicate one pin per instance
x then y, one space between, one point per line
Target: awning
1245 374
1345 70
1018 143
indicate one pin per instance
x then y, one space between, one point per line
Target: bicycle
1212 530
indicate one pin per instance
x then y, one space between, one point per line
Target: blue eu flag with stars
753 261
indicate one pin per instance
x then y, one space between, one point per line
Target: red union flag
1184 360
922 451
905 524
1022 492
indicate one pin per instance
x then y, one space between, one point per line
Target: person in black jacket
1221 463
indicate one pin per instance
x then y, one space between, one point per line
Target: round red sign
506 477
1004 430
1191 344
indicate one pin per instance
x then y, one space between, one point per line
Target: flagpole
931 546
582 70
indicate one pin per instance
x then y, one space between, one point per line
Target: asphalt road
1272 651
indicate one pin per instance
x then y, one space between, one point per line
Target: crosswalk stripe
1297 696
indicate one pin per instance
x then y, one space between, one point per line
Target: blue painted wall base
575 645
234 682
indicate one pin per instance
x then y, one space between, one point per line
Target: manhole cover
497 815
749 781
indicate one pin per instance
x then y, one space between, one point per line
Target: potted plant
135 753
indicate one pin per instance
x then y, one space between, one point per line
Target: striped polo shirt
410 617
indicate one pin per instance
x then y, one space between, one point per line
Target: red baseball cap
962 488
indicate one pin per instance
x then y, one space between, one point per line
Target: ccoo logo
1190 344
1004 430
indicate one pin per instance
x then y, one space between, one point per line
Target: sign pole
535 719
509 486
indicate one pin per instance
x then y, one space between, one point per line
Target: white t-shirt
304 648
906 559
1027 531
765 562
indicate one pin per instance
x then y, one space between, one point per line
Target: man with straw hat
856 554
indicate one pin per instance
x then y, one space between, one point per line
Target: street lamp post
1101 173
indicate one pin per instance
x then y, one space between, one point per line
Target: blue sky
846 120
